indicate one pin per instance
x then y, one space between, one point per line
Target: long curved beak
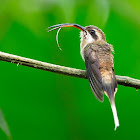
66 25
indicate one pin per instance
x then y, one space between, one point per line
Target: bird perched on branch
99 62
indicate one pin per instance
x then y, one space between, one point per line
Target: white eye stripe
85 39
89 38
98 35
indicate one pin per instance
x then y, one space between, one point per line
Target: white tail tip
116 120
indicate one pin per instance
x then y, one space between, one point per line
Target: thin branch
122 80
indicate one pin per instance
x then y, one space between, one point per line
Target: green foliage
41 105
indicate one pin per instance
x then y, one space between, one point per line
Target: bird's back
104 57
100 73
106 66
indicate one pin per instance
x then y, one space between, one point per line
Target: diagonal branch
122 80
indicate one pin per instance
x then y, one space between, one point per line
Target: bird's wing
93 73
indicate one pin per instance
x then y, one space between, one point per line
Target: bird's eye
92 32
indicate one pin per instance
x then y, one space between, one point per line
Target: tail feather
116 120
109 89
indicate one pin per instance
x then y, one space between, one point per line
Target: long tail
110 88
114 111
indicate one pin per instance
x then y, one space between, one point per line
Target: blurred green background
40 105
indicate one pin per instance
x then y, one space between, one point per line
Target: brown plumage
99 54
99 62
98 57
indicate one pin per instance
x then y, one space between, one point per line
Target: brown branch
122 80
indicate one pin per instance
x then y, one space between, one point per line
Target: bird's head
91 34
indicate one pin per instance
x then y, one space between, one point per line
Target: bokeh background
40 105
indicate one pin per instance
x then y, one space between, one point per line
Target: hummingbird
99 62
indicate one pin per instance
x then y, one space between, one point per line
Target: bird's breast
82 48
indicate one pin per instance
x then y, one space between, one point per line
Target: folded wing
93 73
